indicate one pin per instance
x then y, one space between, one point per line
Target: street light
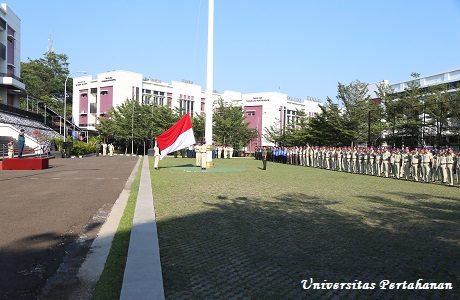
132 131
65 99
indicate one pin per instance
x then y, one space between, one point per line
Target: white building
274 109
10 57
93 98
451 78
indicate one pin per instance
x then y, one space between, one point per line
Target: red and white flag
178 136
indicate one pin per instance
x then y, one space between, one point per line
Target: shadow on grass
264 248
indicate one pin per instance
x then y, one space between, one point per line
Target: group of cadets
218 151
199 152
426 165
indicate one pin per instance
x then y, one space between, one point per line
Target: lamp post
65 99
132 131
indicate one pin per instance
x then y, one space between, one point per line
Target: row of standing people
218 151
427 165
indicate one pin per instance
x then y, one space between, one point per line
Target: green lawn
239 231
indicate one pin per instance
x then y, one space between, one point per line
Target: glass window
93 108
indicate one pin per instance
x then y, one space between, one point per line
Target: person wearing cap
264 158
435 166
426 157
450 166
443 166
397 163
386 162
405 158
371 160
415 160
21 142
197 155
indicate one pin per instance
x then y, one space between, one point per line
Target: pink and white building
93 98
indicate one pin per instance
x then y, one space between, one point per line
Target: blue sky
299 47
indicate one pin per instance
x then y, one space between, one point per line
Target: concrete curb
143 278
92 267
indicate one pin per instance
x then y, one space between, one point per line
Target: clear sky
299 47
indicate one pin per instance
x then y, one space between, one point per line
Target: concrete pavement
143 278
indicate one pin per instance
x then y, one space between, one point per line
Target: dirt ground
48 219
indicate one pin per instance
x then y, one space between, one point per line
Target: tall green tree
392 114
297 133
230 126
45 77
274 134
359 113
198 123
412 113
329 128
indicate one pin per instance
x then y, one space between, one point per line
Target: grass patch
110 282
254 233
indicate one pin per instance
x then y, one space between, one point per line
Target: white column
209 84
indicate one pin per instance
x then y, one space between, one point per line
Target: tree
297 133
230 127
45 79
329 128
198 123
391 112
274 134
412 109
358 111
133 120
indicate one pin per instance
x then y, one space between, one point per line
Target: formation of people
419 164
218 151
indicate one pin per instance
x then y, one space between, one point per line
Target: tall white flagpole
209 85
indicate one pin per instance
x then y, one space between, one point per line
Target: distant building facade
11 85
93 98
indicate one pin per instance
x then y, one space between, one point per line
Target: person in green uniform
264 158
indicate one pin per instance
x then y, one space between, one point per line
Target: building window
92 108
2 51
2 24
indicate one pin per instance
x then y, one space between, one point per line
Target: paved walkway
48 219
142 278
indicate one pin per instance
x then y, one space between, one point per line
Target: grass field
239 231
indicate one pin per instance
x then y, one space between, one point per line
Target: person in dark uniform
264 158
21 142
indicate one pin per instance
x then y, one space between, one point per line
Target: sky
303 48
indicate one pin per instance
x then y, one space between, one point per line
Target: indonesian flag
178 136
